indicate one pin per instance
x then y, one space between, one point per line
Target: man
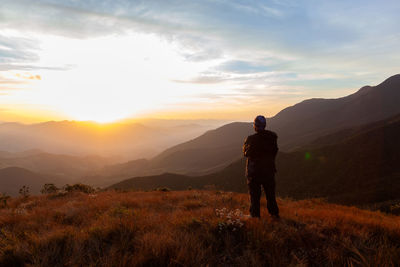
261 149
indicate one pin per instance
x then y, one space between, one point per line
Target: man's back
260 149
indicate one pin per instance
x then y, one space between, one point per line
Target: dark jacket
260 149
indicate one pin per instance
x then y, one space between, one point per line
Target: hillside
13 178
303 122
362 168
212 150
296 126
191 228
230 178
205 154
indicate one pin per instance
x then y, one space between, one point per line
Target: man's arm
246 147
275 146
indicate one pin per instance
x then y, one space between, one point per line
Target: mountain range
296 126
361 167
123 141
330 133
302 123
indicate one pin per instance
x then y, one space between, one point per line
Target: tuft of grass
190 228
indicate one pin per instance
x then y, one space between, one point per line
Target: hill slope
296 126
215 148
207 153
362 168
13 178
303 122
192 228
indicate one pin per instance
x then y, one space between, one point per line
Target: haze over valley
318 128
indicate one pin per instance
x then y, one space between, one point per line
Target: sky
211 59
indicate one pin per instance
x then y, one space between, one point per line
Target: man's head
259 123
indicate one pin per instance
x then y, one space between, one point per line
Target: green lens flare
307 155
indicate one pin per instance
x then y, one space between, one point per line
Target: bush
3 200
79 188
162 189
49 189
24 191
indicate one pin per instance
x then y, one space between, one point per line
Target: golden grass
190 228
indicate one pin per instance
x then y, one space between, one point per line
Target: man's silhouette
261 149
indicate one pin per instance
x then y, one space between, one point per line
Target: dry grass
190 228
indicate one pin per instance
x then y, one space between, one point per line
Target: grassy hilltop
190 228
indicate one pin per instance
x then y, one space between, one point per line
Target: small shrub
24 191
87 189
49 189
162 189
3 199
233 220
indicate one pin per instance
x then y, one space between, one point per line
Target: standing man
261 149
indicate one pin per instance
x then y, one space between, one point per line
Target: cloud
253 46
212 28
238 66
10 82
16 50
253 7
29 76
203 80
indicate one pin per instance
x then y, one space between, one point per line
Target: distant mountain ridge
300 124
360 168
207 153
65 167
310 125
125 140
296 127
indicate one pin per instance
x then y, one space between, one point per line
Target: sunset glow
108 78
221 59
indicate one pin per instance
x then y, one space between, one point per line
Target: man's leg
269 189
255 194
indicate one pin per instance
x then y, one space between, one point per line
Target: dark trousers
255 184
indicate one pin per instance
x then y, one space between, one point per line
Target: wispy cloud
243 48
16 50
203 80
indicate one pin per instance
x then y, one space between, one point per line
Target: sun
111 78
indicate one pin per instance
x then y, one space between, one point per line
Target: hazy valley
324 152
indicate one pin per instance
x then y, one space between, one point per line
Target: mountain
214 149
300 124
207 153
123 140
361 168
296 126
13 178
230 178
64 167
